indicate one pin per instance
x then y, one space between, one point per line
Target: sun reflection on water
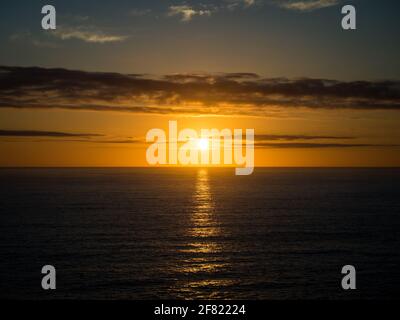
203 222
203 260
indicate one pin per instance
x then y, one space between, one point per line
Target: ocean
196 233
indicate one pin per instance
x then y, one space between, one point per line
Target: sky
86 93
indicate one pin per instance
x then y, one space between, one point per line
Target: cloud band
217 94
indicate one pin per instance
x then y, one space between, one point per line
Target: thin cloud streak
187 12
278 137
86 34
297 145
52 134
261 140
306 5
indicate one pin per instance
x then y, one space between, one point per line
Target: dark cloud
277 137
300 145
116 141
220 94
305 5
208 78
52 134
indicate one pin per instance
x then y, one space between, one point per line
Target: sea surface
200 233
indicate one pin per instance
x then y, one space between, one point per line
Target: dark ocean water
200 233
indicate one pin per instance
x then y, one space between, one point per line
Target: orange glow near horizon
101 151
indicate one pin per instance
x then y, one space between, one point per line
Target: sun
202 144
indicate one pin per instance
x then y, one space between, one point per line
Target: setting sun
202 144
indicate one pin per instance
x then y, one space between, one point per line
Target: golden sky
118 131
87 93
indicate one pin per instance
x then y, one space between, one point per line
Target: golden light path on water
204 259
